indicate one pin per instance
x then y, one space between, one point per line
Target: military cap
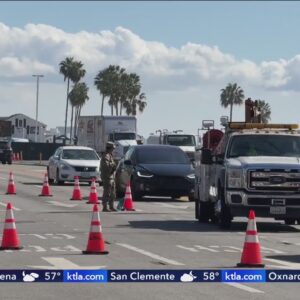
110 145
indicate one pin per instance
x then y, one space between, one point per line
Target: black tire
58 182
3 162
224 217
136 196
9 162
192 198
204 212
289 221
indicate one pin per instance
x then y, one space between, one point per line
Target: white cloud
190 76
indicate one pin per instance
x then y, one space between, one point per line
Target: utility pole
37 103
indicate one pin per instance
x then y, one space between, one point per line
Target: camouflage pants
109 193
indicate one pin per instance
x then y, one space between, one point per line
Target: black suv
6 152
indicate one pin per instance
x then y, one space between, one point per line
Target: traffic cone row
10 238
251 256
46 189
96 244
76 192
93 197
11 188
16 156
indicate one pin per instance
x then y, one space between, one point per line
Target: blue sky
198 47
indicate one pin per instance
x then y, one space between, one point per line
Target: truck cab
255 166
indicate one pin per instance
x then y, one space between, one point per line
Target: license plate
278 210
85 175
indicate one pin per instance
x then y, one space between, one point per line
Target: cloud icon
29 277
187 277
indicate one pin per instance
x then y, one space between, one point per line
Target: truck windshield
124 136
181 140
264 145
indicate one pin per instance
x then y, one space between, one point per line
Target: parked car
6 153
70 161
155 170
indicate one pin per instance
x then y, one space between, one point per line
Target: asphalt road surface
160 234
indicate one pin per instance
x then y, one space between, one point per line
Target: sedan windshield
264 145
79 154
161 156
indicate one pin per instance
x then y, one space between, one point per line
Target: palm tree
66 69
78 97
231 95
265 110
77 73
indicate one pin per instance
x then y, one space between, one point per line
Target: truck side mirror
206 156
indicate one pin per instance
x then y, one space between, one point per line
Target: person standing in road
107 169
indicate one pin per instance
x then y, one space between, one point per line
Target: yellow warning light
242 125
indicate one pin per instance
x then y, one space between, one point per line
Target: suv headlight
191 176
235 178
144 174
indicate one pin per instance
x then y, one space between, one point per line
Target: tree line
233 94
119 89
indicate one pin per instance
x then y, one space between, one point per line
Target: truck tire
289 221
224 217
204 212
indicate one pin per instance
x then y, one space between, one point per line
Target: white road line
172 206
207 249
235 248
286 264
272 250
244 287
56 203
14 208
38 186
187 248
3 178
61 263
152 255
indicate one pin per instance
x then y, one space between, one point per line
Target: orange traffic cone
93 197
46 189
11 188
128 203
96 244
251 256
10 239
76 192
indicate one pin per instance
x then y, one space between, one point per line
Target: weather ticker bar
142 275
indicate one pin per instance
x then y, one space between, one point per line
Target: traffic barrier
96 244
251 256
17 156
128 202
11 188
14 156
93 197
10 239
46 189
76 191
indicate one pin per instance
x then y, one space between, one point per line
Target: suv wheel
136 196
289 221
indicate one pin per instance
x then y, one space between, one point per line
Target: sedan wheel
58 182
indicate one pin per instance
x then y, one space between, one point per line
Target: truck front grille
274 180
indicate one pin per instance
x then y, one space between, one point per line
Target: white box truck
96 131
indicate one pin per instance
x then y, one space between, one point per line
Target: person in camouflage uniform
107 169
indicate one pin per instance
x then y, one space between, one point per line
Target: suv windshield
161 156
79 154
264 145
181 140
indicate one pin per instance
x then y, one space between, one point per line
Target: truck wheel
224 216
204 212
289 221
9 162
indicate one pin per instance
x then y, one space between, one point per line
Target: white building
24 127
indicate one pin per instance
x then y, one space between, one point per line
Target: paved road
161 234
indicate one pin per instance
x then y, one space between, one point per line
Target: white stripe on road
3 178
172 206
272 250
14 208
244 287
286 264
60 263
152 255
56 203
205 248
187 248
